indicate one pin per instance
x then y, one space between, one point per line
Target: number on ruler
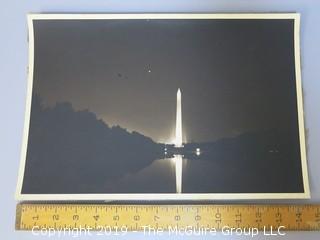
298 215
238 218
258 217
218 217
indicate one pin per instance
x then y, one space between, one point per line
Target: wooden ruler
97 217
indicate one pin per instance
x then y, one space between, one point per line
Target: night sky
235 75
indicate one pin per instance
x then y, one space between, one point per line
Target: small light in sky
149 71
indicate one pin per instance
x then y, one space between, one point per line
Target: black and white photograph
163 107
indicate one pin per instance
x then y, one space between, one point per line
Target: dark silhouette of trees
73 151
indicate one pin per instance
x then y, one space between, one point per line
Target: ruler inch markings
134 216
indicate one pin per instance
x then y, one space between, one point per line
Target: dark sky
235 75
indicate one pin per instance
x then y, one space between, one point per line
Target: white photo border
171 196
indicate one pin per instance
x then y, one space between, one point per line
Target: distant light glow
198 151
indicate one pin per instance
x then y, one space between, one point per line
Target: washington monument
178 140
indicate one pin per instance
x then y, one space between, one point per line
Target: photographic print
163 107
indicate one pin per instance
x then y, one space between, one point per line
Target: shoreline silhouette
82 154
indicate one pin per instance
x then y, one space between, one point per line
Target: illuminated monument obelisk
178 144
